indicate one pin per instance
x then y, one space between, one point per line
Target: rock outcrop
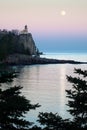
18 48
28 43
12 42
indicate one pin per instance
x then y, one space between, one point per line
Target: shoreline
20 59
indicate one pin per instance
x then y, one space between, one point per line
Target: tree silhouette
7 76
77 107
13 106
78 98
53 121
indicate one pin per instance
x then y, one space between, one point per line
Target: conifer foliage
52 121
13 106
77 102
78 98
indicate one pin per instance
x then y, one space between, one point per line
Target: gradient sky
51 31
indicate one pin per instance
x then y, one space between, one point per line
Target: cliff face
11 43
28 43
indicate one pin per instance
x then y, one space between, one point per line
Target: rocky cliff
17 43
20 49
28 43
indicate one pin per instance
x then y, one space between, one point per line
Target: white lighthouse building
25 30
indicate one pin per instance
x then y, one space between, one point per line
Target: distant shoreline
20 59
80 57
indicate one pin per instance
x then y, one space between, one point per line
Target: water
67 56
46 85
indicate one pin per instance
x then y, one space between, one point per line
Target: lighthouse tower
25 31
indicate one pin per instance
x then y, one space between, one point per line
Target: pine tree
52 121
78 98
77 107
13 106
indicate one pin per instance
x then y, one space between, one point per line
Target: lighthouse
25 30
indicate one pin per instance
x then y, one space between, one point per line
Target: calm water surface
67 56
46 85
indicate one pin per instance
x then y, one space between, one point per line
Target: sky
56 25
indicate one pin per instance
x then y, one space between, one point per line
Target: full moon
63 12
